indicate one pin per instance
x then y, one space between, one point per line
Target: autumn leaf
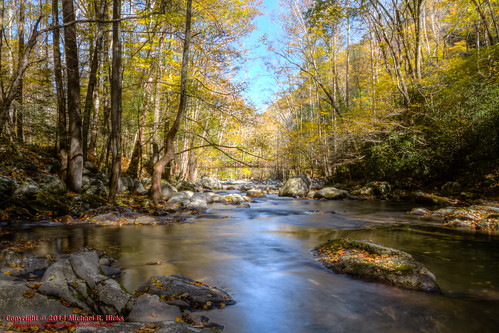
80 311
149 328
35 286
29 293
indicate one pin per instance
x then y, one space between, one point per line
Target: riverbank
31 191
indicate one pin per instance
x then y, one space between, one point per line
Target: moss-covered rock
368 260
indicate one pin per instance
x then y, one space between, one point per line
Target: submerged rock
298 186
368 260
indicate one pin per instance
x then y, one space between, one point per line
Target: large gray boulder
371 261
61 282
150 308
210 183
27 187
378 189
19 299
185 185
78 279
298 186
96 187
179 198
52 184
199 206
139 188
182 291
331 193
167 190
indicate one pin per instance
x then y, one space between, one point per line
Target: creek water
261 256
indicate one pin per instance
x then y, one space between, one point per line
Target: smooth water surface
261 256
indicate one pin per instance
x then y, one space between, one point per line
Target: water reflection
261 256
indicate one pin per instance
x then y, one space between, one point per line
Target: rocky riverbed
80 288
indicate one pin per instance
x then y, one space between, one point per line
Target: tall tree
169 155
61 99
75 163
19 98
10 90
116 93
94 66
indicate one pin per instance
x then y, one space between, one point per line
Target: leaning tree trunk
159 166
116 88
74 178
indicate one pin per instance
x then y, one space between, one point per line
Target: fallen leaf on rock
149 328
80 311
29 293
35 286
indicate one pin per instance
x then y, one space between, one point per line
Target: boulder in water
255 193
331 193
210 183
368 260
180 290
298 186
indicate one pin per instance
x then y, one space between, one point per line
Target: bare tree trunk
95 119
10 92
19 98
75 164
133 170
159 166
489 39
61 99
116 88
347 63
92 81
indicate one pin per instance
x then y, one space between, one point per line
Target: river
261 256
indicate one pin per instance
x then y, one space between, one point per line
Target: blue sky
261 86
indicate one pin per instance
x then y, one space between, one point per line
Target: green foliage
456 132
